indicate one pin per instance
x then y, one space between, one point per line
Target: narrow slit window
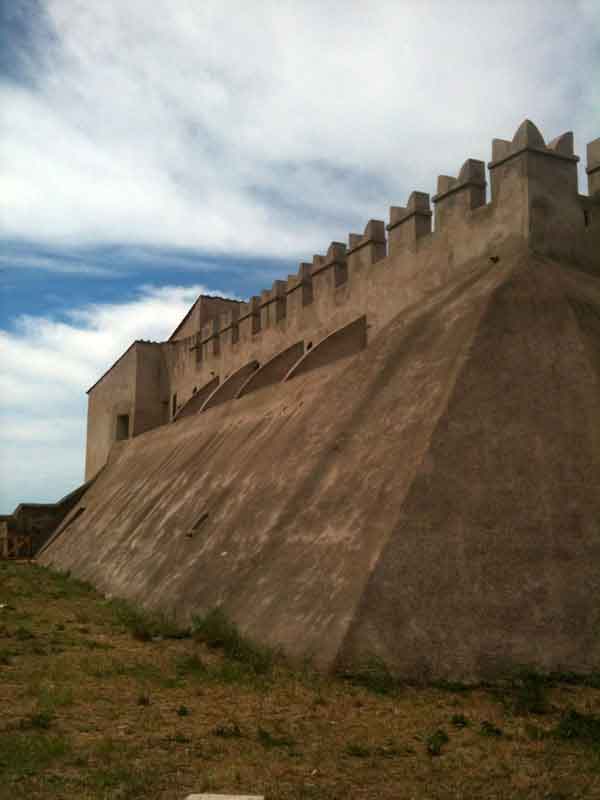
198 524
122 427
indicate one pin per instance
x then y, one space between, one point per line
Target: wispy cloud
58 264
190 134
271 128
47 364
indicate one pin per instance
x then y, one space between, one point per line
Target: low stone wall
24 532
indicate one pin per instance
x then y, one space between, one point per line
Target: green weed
52 697
459 720
575 725
120 781
374 675
26 754
456 687
23 634
217 631
357 751
436 741
489 729
41 720
269 740
524 693
231 731
190 665
143 625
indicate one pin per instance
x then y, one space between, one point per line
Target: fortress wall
336 523
189 324
151 390
114 394
340 286
205 308
534 198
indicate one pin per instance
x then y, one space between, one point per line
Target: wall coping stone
529 149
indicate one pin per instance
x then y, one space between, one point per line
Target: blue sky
146 156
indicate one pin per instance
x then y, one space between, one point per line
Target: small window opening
586 217
122 427
174 405
309 346
198 524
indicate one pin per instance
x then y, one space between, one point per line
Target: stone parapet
534 199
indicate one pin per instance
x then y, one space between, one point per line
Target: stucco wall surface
114 394
432 499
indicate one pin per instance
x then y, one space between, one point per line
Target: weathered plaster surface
429 495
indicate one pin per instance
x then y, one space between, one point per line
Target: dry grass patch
99 700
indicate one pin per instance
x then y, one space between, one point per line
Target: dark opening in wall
309 346
122 427
198 524
586 217
174 405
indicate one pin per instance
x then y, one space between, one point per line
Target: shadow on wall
344 342
197 400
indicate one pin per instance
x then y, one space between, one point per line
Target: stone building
393 452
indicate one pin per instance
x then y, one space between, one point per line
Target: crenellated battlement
534 200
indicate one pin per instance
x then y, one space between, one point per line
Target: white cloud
270 128
258 128
47 364
56 264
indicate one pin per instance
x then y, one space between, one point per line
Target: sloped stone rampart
431 500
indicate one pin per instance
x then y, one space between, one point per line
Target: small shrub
217 631
575 725
357 751
28 753
183 711
121 781
231 731
436 741
145 626
41 720
459 720
53 697
534 733
24 634
190 665
456 687
489 729
525 693
390 750
268 740
374 675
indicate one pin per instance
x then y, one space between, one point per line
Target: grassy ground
100 701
